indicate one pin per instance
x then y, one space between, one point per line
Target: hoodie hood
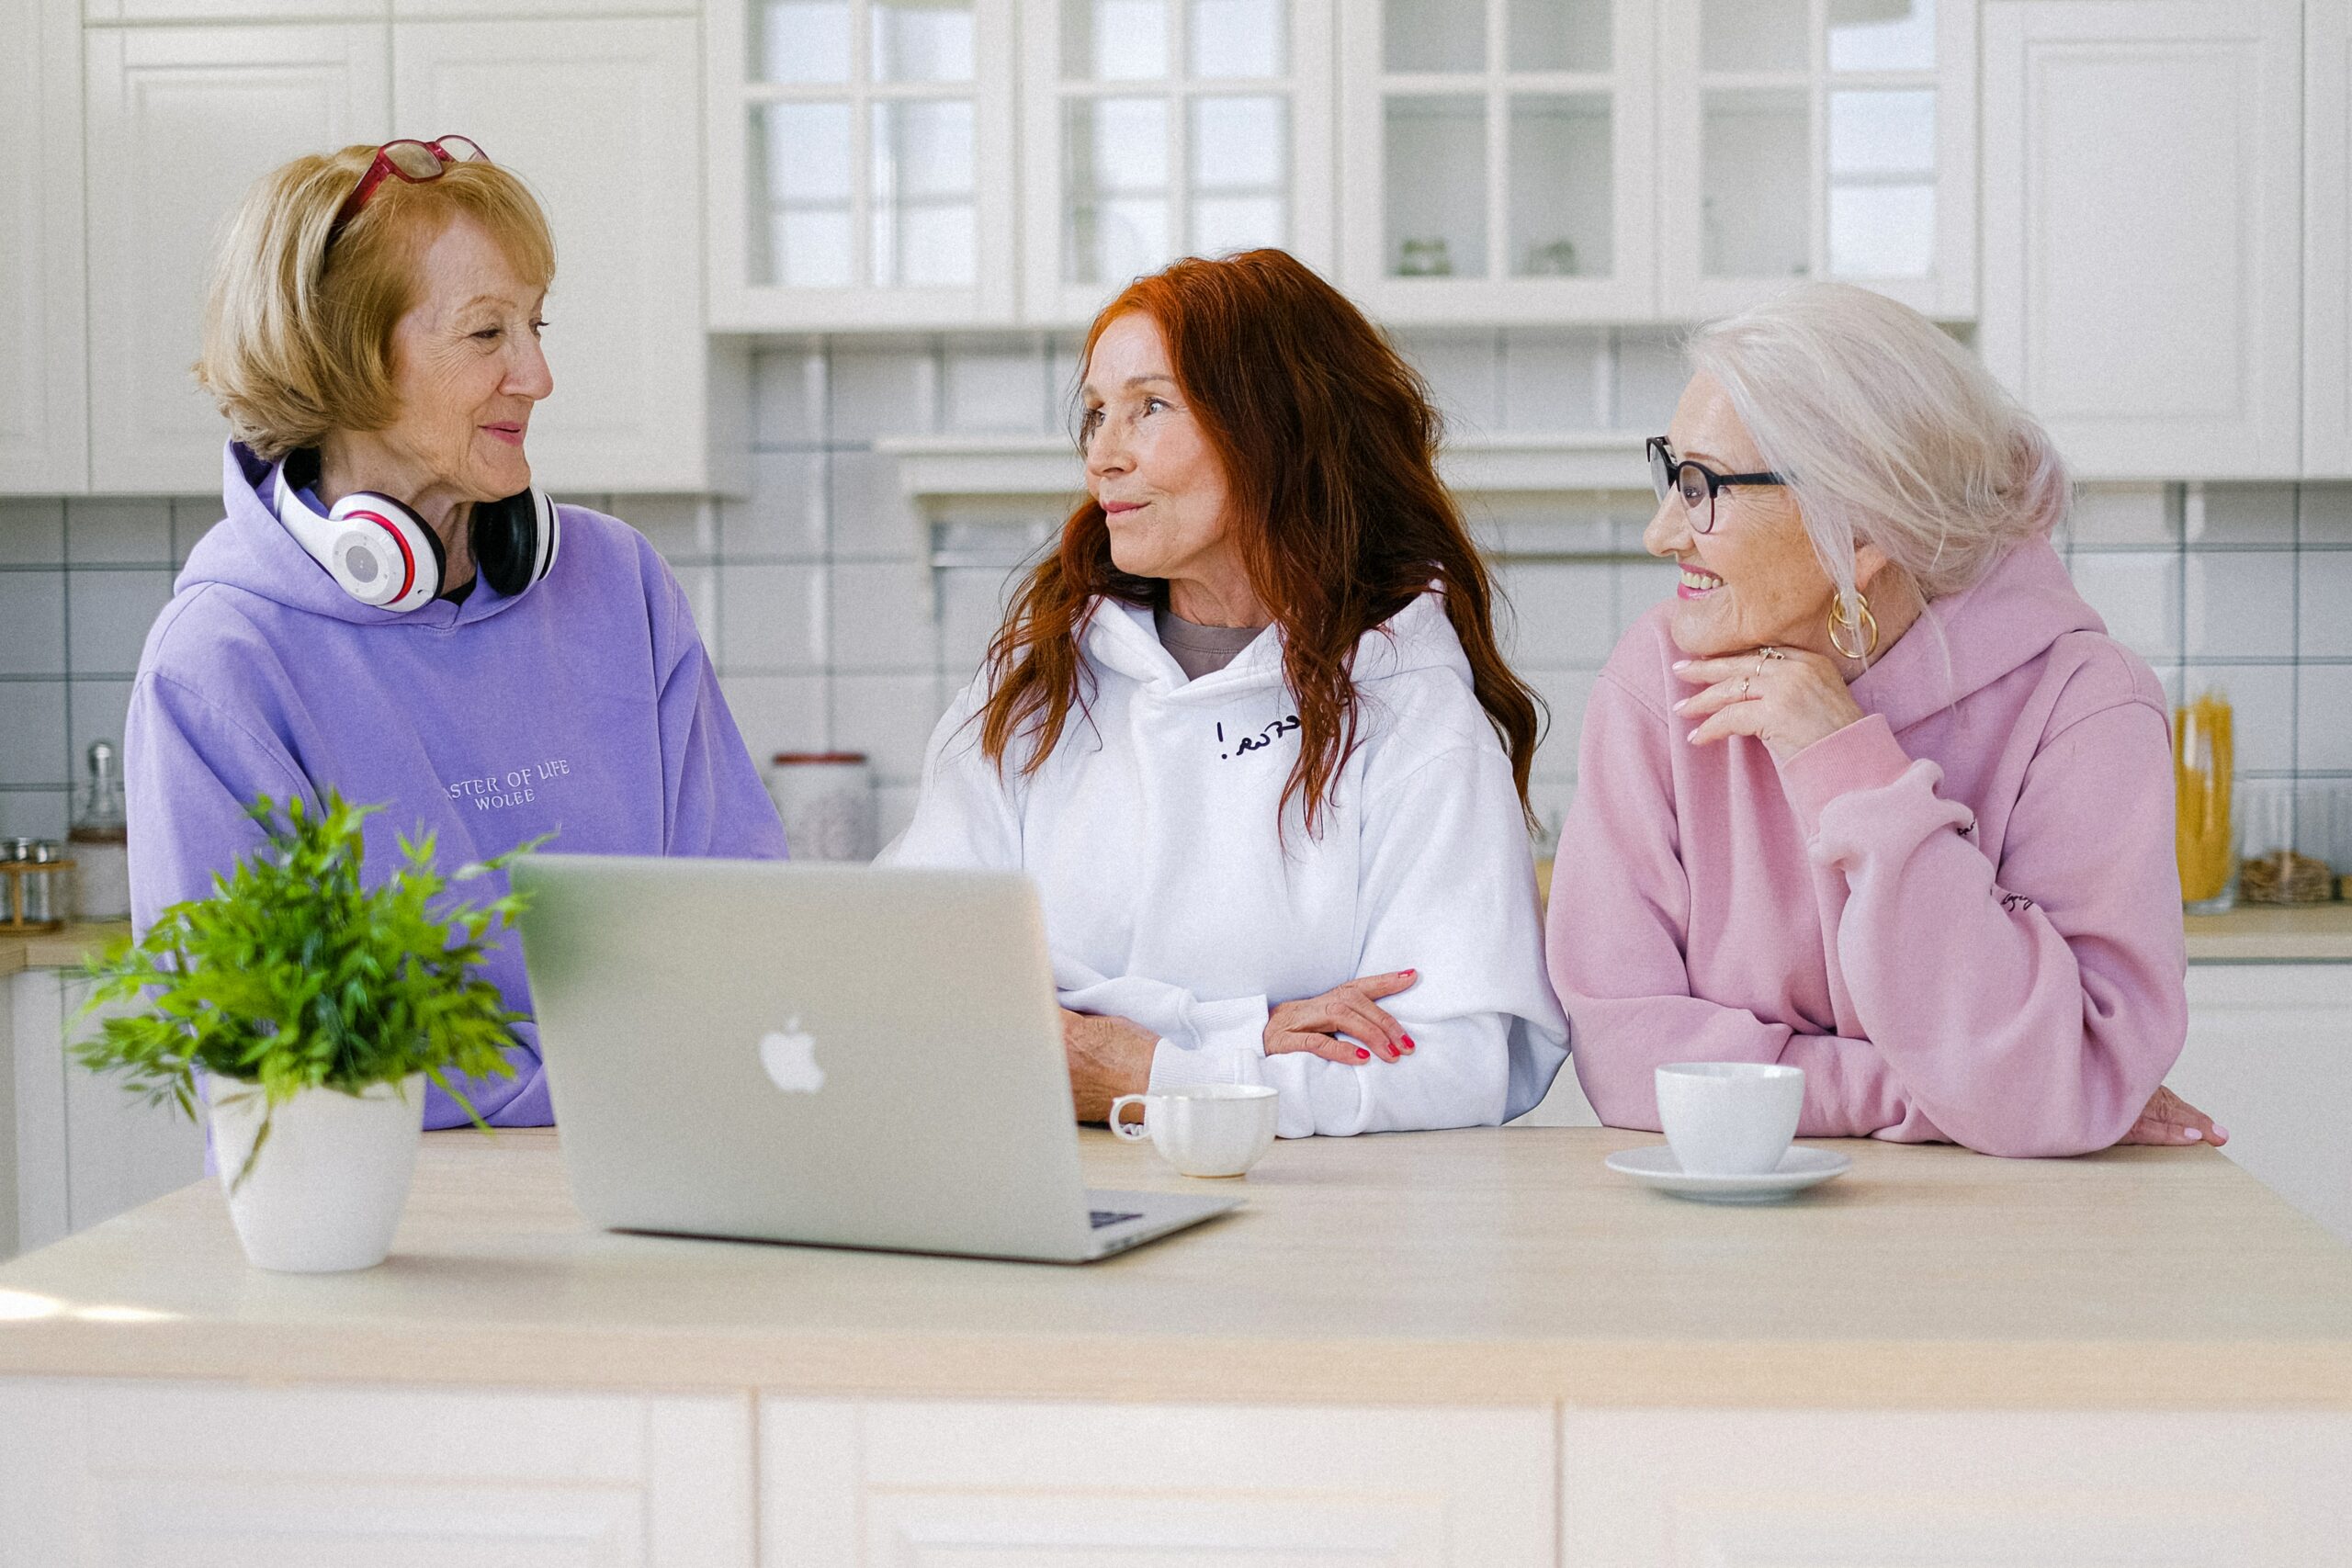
250 549
1965 641
1121 639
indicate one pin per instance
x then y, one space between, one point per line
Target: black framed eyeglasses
1696 482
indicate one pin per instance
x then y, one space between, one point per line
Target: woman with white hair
1874 795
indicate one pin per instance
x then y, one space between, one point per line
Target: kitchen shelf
942 466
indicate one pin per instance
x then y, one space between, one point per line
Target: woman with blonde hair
1874 795
1250 729
391 607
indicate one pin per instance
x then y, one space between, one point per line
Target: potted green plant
314 1010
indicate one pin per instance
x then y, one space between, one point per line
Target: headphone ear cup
516 540
383 553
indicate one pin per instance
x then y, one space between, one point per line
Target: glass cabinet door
854 134
1158 129
1497 157
1818 139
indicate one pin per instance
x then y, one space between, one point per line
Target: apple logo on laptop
790 1055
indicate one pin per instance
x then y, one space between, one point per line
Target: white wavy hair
1888 433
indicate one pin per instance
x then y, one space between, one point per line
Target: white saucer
1655 1166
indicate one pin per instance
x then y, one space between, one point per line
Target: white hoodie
1170 899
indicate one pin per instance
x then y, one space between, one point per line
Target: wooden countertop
2272 933
1462 1268
66 948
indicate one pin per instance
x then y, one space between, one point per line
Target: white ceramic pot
326 1193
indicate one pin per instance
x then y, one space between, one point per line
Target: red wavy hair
1329 443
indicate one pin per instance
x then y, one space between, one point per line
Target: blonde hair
1888 433
297 339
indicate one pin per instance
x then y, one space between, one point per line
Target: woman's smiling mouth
1697 583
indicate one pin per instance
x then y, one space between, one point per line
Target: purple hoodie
583 706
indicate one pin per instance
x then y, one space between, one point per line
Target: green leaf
294 975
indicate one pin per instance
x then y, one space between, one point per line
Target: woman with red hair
1249 730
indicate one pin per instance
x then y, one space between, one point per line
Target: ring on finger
1772 653
1745 682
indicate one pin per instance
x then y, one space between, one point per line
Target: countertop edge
1952 1375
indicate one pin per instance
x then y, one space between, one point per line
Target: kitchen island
1468 1349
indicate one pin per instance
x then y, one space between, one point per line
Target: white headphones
381 553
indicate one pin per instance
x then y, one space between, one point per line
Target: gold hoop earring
1866 633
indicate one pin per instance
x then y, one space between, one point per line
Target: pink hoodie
1961 915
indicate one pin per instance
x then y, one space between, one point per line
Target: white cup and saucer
1209 1129
1730 1128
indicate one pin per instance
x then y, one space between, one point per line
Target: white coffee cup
1207 1129
1729 1118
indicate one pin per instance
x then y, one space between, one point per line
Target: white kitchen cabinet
2143 230
849 145
1498 159
1159 129
2327 242
181 120
1667 1489
100 13
884 1483
602 117
2269 1057
84 1151
44 429
1805 139
98 1474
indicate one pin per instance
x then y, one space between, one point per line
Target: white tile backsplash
1553 380
883 392
772 619
873 518
685 529
2324 599
32 531
2262 709
788 398
106 531
786 516
108 615
888 718
2239 604
1464 374
2239 515
882 618
192 518
2123 515
1559 614
993 386
97 712
34 814
2137 594
2323 715
32 623
32 717
779 713
817 599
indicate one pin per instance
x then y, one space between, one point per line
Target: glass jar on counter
2206 819
826 800
100 837
38 891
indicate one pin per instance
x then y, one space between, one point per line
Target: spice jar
36 871
826 800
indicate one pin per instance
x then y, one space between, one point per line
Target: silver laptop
848 1056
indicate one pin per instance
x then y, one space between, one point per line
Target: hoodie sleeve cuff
1863 755
1229 1046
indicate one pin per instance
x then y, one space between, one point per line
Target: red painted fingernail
1362 1054
1408 1042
